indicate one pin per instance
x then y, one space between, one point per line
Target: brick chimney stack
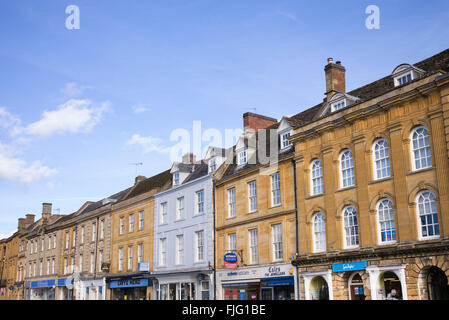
46 210
335 78
188 158
29 219
22 224
256 121
139 178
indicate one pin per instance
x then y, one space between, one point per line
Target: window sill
314 196
252 212
420 170
380 180
346 188
276 206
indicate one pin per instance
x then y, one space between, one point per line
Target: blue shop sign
349 266
129 283
143 266
65 281
42 283
230 257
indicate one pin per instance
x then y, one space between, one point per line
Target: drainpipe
296 223
213 231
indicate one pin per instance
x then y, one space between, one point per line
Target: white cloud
14 168
288 15
8 120
140 108
148 144
73 90
71 116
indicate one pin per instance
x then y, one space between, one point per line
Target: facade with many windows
255 215
373 184
184 234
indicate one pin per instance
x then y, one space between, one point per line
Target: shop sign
143 266
349 266
65 281
129 283
230 260
43 283
274 272
11 288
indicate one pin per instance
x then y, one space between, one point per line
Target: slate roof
158 181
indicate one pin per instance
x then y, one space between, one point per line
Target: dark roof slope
200 170
157 181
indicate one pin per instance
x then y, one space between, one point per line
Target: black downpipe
296 220
213 232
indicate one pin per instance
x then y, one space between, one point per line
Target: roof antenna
137 164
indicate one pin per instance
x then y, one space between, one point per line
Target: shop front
92 289
184 286
269 282
129 288
42 290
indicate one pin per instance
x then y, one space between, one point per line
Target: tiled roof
158 181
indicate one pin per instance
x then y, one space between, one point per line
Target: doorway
356 287
437 284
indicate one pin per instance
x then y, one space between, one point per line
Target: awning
279 281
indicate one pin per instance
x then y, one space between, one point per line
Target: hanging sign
230 260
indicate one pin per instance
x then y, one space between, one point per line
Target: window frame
275 192
355 224
412 149
341 170
314 179
319 243
388 221
277 242
419 217
253 246
252 196
386 157
231 204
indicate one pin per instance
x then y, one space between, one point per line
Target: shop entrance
138 293
356 287
249 292
319 289
392 287
437 284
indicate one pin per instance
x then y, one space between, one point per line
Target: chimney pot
188 158
330 60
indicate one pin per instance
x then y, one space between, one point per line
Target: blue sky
77 107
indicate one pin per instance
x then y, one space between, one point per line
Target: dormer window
241 158
176 178
212 165
404 79
338 105
284 140
405 73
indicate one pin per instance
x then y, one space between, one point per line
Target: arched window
319 233
427 215
385 219
420 148
350 228
316 177
346 169
381 159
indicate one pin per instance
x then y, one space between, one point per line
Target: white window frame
92 262
427 149
275 179
199 246
67 240
231 202
348 237
399 80
253 246
122 225
338 105
346 169
381 159
176 178
102 221
276 244
81 263
179 249
434 213
212 165
316 178
242 158
232 242
130 257
252 196
383 220
120 259
101 260
199 202
131 223
163 212
319 232
162 252
94 231
140 253
180 208
141 219
285 143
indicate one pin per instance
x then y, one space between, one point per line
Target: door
266 293
357 292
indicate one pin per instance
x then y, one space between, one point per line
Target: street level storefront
41 289
130 288
65 289
195 285
268 282
403 274
92 289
